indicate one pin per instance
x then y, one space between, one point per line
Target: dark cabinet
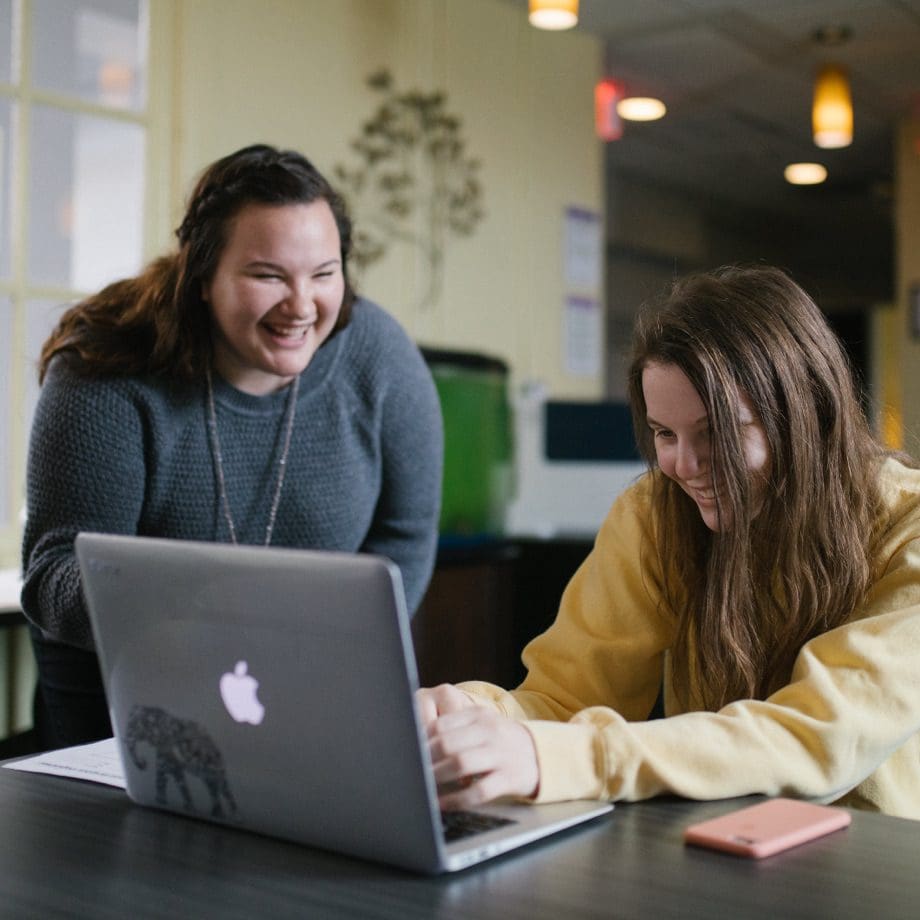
464 627
485 604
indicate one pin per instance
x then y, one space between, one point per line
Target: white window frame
154 120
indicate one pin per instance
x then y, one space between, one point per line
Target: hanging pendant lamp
832 109
553 14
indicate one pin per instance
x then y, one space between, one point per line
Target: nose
690 461
298 304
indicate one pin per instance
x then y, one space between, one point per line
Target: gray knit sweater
129 455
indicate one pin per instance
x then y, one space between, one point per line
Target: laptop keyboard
460 824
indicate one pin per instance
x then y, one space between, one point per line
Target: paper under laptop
274 690
96 762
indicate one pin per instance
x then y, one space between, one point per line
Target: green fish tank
478 445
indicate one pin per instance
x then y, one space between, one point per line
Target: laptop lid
273 689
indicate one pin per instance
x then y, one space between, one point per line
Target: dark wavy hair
748 598
158 323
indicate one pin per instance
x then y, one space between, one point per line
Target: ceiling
737 77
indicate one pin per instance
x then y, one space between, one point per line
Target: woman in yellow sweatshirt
765 573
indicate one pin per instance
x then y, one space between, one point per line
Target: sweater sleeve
405 521
86 472
852 701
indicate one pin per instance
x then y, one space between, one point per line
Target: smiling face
276 293
680 427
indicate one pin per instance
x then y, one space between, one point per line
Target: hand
479 755
439 700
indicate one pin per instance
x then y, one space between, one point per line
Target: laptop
273 690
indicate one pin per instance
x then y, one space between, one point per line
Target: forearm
413 552
405 525
86 472
697 755
853 701
53 597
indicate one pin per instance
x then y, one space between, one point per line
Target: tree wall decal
414 181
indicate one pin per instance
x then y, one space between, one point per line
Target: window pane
6 337
41 318
6 41
85 199
94 49
6 183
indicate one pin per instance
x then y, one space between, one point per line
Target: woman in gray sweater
237 390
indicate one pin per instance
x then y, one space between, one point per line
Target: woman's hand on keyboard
477 754
436 701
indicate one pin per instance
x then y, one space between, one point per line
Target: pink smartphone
767 828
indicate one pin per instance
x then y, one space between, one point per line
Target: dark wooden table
75 849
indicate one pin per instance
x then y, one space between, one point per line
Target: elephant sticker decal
181 749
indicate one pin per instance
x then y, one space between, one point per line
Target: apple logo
238 691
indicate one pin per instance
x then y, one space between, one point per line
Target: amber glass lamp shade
832 109
553 14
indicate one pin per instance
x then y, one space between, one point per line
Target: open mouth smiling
288 332
707 496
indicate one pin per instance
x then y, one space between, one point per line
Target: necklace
290 410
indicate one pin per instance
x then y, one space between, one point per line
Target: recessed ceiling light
805 173
641 108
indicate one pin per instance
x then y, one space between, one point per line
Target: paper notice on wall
582 252
582 336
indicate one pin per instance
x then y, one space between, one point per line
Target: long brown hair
749 597
158 322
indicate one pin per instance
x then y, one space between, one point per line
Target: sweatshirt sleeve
852 701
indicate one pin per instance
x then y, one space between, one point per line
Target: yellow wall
292 73
907 234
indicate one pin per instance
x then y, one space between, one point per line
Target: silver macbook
273 690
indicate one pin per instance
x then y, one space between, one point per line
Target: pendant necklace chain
290 411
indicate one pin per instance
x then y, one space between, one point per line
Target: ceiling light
832 110
805 173
641 108
553 14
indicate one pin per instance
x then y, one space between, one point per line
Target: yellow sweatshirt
846 728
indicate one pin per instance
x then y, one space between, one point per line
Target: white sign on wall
582 250
581 313
582 336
